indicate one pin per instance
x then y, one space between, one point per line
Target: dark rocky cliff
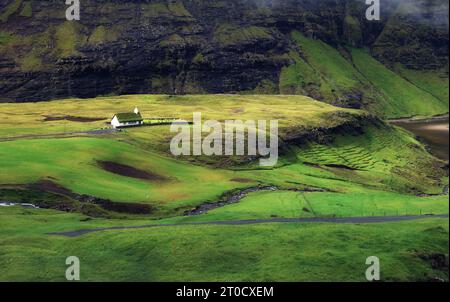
191 46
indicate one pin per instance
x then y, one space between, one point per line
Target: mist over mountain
213 46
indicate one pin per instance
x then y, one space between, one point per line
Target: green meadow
288 204
54 117
355 166
266 252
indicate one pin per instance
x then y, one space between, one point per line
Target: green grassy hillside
352 77
356 164
433 82
403 98
73 164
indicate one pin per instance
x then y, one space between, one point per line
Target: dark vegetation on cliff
316 48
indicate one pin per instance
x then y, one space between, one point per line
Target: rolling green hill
351 167
362 154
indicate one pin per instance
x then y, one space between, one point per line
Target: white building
127 119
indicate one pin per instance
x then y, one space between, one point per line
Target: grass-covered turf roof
129 117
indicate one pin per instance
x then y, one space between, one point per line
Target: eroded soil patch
129 171
242 180
71 118
344 167
68 201
50 186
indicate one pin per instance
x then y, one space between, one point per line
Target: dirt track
257 221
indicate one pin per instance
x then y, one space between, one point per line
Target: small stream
433 132
238 195
12 204
227 199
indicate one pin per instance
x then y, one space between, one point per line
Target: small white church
127 119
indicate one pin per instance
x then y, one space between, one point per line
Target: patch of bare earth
71 118
53 187
64 205
242 180
129 171
344 167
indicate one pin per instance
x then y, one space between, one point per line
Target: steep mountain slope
248 46
350 77
416 35
402 97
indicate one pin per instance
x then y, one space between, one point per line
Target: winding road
257 221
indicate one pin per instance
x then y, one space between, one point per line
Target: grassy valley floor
267 252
